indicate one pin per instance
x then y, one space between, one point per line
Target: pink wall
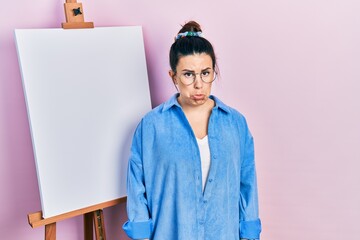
292 67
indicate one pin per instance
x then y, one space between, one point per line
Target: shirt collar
220 104
173 102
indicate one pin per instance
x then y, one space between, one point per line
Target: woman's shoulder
237 119
233 112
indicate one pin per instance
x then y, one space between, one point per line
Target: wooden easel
74 15
93 219
93 216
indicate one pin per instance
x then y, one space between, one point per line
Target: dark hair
190 45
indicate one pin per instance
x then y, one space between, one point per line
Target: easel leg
99 225
50 231
88 226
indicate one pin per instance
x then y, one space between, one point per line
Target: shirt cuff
250 229
138 230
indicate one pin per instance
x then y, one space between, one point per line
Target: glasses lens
187 79
207 76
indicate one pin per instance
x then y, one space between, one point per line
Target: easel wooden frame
93 219
93 216
73 20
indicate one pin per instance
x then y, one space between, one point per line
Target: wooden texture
69 13
75 25
36 220
75 21
50 231
92 220
88 226
99 225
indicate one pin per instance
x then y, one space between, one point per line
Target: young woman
191 171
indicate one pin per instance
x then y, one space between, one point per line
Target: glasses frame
194 78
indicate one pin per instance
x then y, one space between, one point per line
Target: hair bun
191 26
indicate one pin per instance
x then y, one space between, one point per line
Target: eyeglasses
189 77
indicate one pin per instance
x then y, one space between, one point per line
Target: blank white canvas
85 90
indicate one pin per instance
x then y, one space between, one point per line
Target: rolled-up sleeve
139 225
250 225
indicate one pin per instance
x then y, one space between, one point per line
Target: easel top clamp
74 15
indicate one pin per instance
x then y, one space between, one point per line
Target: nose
198 83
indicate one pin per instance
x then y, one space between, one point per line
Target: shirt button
214 156
205 201
210 180
201 222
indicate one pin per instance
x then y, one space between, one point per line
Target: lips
198 96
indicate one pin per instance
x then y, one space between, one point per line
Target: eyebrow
188 70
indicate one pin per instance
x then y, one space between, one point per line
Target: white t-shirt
205 158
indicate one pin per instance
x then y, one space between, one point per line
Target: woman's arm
250 225
139 225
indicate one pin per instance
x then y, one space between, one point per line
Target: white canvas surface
85 90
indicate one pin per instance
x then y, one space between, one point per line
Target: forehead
195 62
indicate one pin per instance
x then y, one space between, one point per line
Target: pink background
292 67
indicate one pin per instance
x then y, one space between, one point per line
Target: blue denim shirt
165 198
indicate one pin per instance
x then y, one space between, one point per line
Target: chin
199 101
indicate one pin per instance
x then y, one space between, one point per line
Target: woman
191 171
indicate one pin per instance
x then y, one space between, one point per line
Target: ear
172 76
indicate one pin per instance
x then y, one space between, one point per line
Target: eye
188 74
205 73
